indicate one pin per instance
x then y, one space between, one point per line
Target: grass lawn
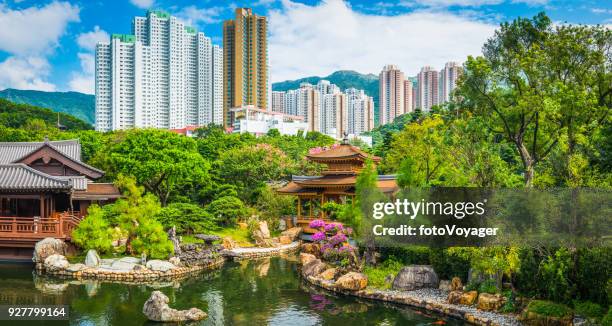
241 236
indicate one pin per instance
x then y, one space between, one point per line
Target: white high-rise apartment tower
360 111
165 75
448 80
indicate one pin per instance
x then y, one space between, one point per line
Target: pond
257 292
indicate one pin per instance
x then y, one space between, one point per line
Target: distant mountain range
82 105
76 104
344 79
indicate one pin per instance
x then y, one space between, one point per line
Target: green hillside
76 104
16 115
344 79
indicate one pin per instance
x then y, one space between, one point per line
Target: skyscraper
278 101
245 62
163 75
408 96
334 120
448 80
428 88
360 111
391 88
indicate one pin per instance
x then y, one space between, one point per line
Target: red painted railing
58 226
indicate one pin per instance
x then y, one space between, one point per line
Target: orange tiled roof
343 151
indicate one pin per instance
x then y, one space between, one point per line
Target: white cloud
84 80
307 40
449 3
25 73
90 39
194 16
35 29
143 4
29 36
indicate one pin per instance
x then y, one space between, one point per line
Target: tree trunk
528 164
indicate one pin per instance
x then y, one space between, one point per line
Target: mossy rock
546 313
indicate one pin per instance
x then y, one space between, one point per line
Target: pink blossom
316 224
319 236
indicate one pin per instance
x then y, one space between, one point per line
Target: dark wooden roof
341 152
20 177
10 152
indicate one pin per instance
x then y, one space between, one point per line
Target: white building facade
165 75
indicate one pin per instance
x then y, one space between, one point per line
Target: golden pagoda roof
341 152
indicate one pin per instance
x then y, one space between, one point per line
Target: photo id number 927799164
34 312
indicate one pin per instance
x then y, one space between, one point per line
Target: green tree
540 86
250 167
94 232
188 218
227 210
136 217
163 162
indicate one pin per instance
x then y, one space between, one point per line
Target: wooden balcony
22 231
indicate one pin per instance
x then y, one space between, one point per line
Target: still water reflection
262 292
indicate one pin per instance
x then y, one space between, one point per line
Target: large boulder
47 247
352 281
263 228
92 259
156 309
468 298
56 263
490 302
208 238
456 284
229 243
313 268
284 240
311 248
123 265
292 233
328 274
160 265
415 277
306 258
454 297
261 240
75 267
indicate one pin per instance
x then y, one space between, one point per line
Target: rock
261 240
311 248
352 281
468 298
92 259
313 268
445 285
160 265
328 274
156 309
263 228
175 261
454 297
131 260
56 263
490 302
75 267
415 277
47 247
122 265
208 238
306 258
456 284
284 240
532 318
292 233
175 242
282 225
229 243
139 267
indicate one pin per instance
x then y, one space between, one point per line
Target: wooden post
299 210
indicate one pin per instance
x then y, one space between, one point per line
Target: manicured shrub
554 276
488 286
377 275
472 286
187 218
93 232
588 309
548 308
227 210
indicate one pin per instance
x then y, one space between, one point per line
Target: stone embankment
319 274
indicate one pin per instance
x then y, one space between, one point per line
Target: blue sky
48 44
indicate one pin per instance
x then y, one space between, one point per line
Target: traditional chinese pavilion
337 182
45 190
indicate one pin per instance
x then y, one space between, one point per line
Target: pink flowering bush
333 238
